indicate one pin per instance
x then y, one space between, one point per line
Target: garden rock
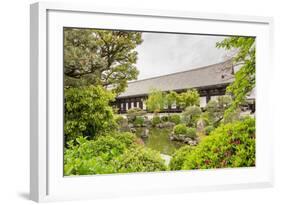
130 125
145 133
201 125
133 130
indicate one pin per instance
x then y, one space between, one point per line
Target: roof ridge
169 74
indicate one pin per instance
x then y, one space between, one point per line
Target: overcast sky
162 53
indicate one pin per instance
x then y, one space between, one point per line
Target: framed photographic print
127 102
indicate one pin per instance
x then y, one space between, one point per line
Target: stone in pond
145 133
133 130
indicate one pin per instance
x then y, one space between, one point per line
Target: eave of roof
206 76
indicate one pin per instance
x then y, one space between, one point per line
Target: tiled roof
216 74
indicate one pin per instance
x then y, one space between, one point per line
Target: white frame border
39 75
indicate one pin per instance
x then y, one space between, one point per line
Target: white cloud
163 53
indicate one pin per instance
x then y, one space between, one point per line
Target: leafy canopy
87 112
156 101
100 57
245 79
188 98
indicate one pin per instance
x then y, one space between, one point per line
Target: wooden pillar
140 104
129 104
208 96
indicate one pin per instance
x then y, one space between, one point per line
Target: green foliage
178 158
122 122
245 79
96 156
175 119
132 113
171 97
164 118
139 121
191 133
155 120
232 116
180 129
87 112
91 157
126 138
188 98
156 101
191 115
216 108
208 129
230 145
140 159
100 57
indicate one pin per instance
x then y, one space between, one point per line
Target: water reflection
158 139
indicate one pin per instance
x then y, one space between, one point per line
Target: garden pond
158 139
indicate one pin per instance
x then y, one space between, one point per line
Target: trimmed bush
191 132
140 159
155 121
180 129
175 119
132 113
178 158
216 109
191 115
164 118
139 121
230 145
208 129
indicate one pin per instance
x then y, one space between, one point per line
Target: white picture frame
46 151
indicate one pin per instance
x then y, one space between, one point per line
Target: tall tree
155 101
189 98
245 58
100 57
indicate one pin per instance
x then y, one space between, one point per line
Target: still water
158 139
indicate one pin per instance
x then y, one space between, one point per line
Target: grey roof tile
216 74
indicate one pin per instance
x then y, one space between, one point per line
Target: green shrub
132 113
179 157
191 132
155 101
139 121
155 120
216 108
140 159
96 156
175 119
180 129
188 98
126 138
230 145
121 121
164 118
191 115
87 112
208 129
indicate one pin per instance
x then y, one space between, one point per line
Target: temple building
210 81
